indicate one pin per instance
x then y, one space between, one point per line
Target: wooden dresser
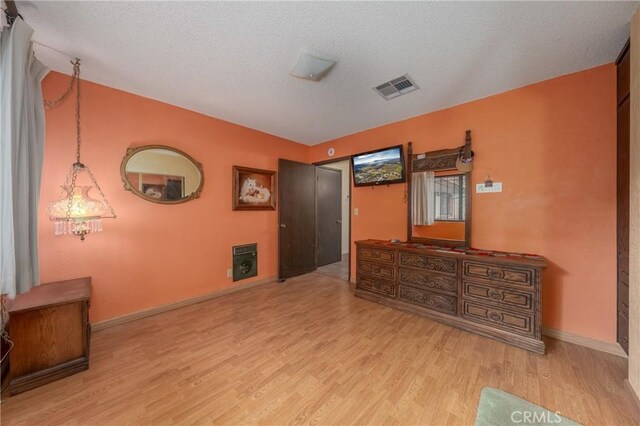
50 328
493 294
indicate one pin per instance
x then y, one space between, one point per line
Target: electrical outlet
229 273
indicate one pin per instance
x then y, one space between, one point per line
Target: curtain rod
11 11
73 57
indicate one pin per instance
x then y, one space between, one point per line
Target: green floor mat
500 408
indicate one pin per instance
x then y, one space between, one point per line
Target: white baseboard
111 322
634 395
599 345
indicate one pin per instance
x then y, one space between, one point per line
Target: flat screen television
381 167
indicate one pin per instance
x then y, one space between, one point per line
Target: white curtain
422 198
22 124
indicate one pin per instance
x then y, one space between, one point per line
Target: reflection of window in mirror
449 198
444 202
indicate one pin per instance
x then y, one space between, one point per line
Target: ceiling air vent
396 87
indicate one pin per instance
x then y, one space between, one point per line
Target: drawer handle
496 273
495 316
495 295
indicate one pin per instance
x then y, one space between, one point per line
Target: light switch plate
481 188
355 211
229 273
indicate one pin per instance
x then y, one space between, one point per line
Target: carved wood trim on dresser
497 295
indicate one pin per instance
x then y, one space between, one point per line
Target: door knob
339 221
283 225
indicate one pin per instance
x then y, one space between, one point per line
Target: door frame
619 103
317 233
339 160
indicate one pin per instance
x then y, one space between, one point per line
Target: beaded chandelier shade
77 212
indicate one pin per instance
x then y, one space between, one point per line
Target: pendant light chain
75 81
65 95
76 71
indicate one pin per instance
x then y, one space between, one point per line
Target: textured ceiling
232 60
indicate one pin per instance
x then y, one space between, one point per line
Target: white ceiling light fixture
311 68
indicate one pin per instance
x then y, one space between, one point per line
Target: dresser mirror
439 205
161 174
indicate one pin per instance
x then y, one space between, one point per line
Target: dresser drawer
502 296
499 273
376 286
437 302
375 254
445 265
377 270
520 323
428 280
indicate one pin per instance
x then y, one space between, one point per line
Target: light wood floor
308 351
339 270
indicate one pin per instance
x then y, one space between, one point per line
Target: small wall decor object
464 162
482 188
331 152
489 182
254 189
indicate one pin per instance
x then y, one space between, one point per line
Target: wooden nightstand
50 328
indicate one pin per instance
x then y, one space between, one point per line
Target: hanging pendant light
77 212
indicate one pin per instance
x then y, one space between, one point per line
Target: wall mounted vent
396 87
245 261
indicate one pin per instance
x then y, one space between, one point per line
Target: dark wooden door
297 218
329 215
623 157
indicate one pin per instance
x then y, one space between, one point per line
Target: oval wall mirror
161 174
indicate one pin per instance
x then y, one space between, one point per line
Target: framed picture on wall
254 189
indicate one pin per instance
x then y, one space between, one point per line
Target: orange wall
153 254
553 145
